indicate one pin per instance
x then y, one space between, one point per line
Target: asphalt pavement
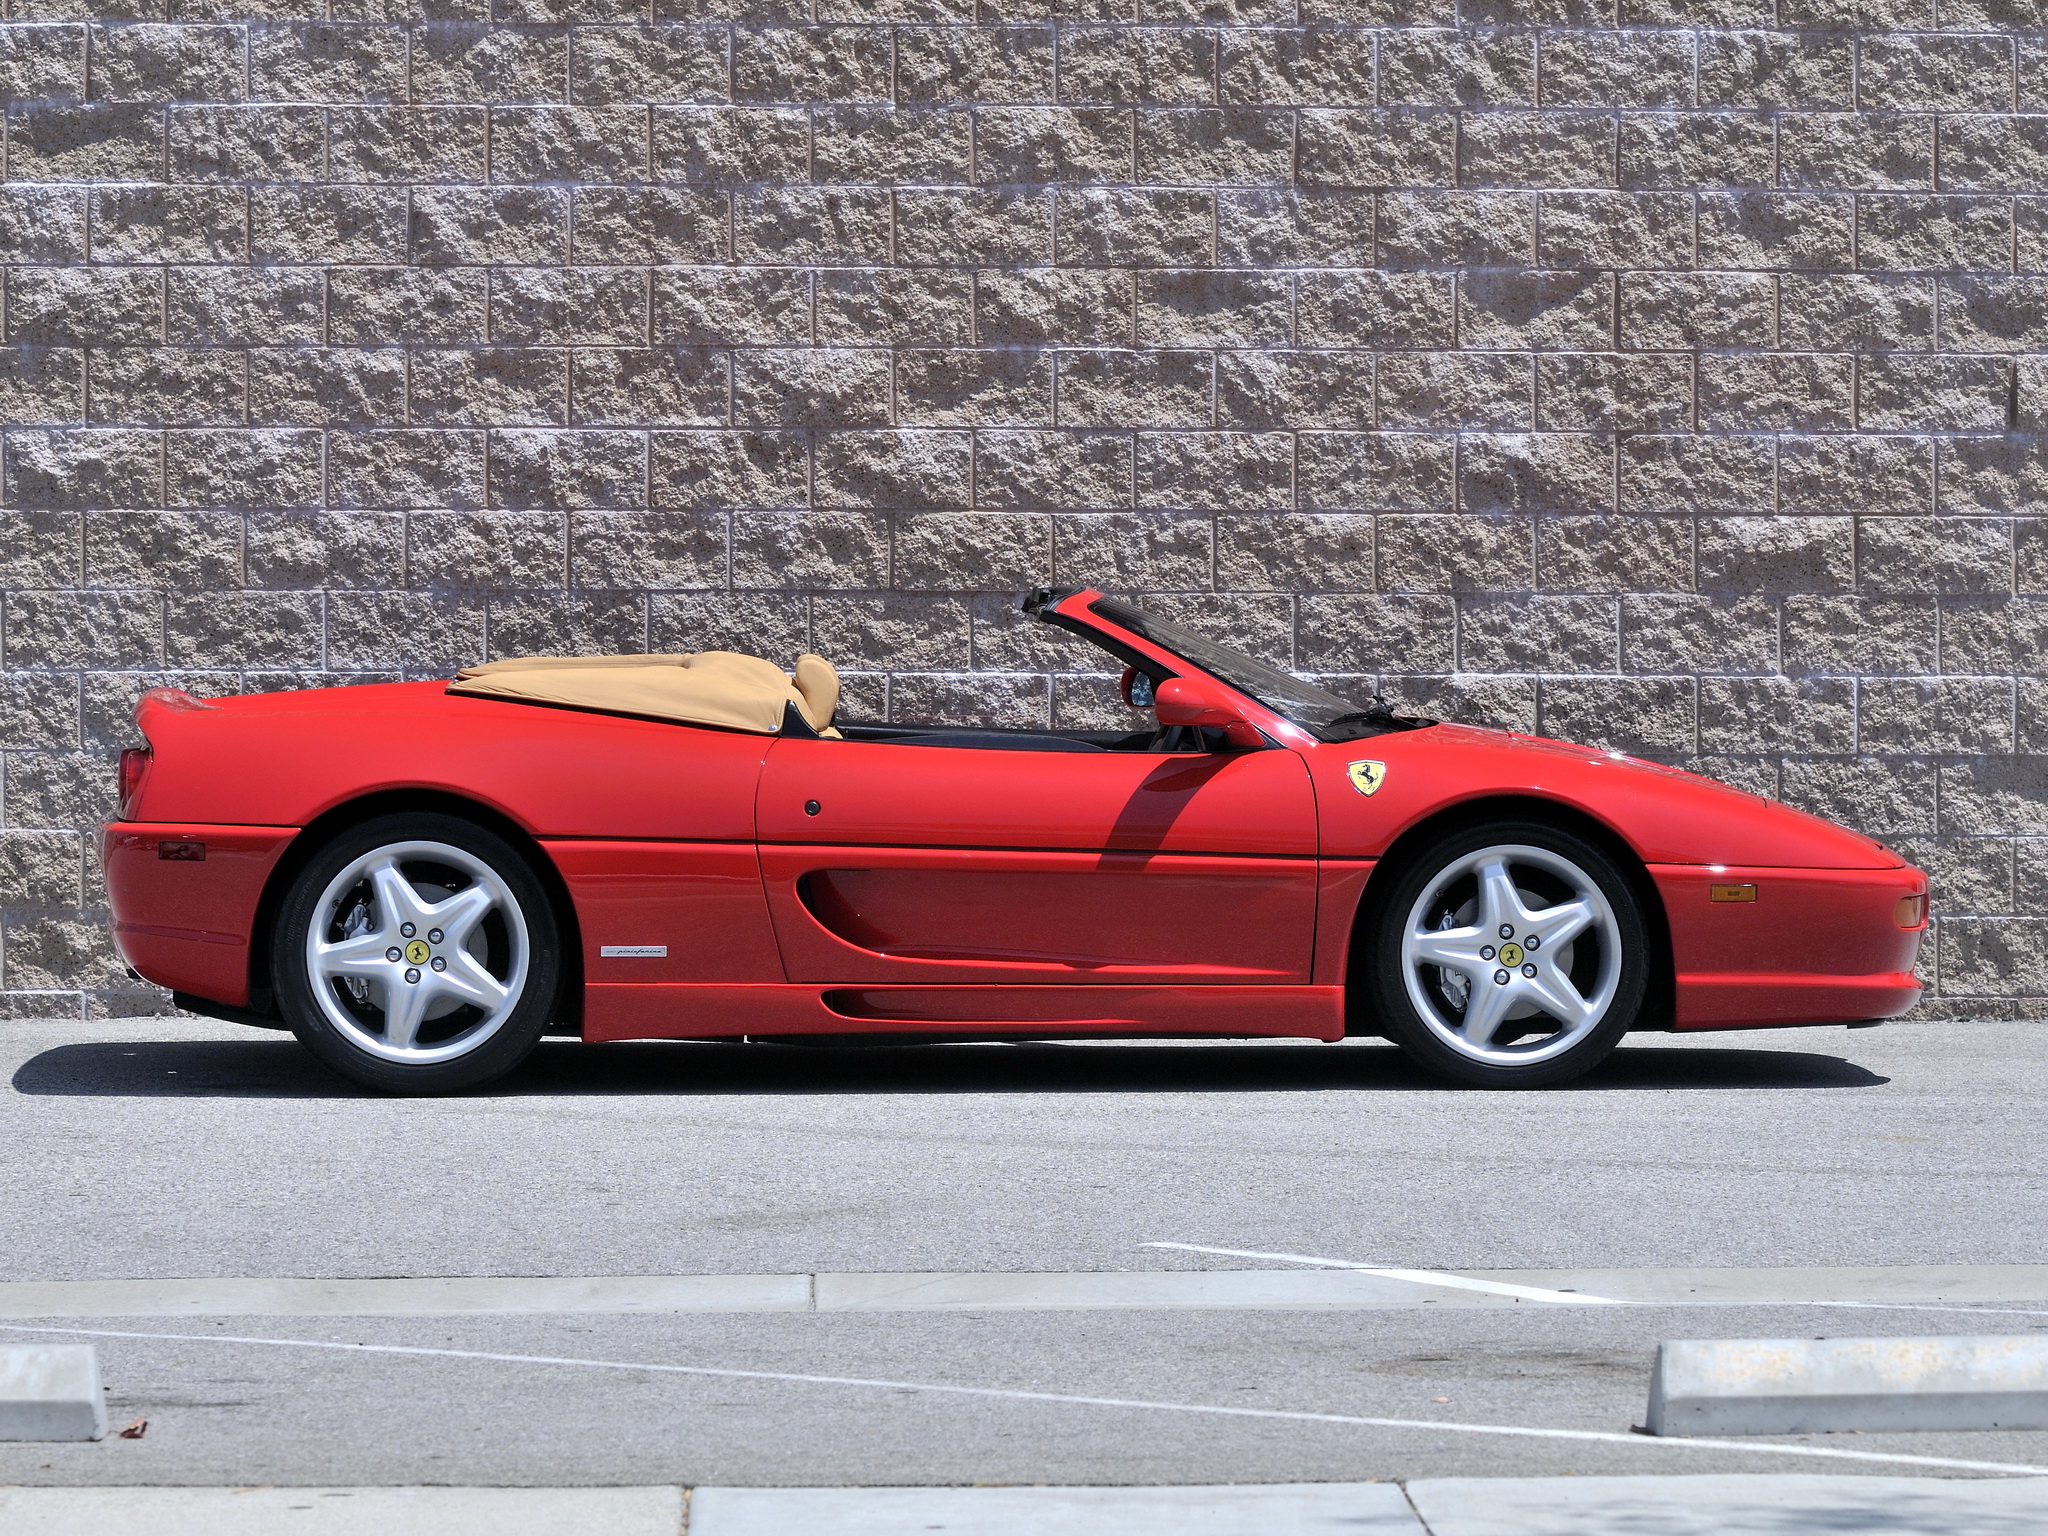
158 1149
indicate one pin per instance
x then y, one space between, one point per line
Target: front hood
1667 815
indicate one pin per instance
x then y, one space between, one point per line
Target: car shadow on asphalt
277 1068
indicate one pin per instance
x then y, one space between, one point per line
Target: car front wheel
1510 955
418 954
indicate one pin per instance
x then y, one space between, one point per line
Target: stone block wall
1664 374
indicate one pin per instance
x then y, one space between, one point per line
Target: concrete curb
51 1392
1800 1386
1708 1505
1963 1285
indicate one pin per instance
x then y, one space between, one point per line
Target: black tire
515 944
1399 984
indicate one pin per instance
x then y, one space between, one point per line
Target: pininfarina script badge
1368 776
632 951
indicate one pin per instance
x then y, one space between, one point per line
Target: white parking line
1538 1293
1412 1276
1516 1431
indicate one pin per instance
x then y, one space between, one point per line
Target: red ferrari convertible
421 879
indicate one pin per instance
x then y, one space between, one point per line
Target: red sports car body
712 882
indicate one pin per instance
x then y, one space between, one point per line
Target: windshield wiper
1380 714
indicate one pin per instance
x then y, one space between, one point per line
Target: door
890 863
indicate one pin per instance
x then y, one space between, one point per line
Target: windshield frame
1292 704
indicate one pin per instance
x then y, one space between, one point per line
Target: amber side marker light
1911 911
1731 893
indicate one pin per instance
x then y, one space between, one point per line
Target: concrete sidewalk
1783 1505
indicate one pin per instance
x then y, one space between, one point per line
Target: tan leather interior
818 681
723 688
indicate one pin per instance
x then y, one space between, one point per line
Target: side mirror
1182 702
1136 688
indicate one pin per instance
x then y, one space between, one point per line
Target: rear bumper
187 922
1815 946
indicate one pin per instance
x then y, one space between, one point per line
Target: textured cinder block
1696 149
974 387
1288 552
1068 470
362 344
188 550
916 309
1289 228
975 64
320 61
1631 392
109 141
1300 66
1227 471
1799 392
454 62
343 386
1868 152
1159 552
729 469
1784 231
1776 69
801 64
567 624
1901 233
1697 309
1841 312
399 144
44 223
1858 634
43 63
245 144
912 469
1282 389
948 551
1047 145
1629 714
612 550
371 305
804 550
1373 471
323 550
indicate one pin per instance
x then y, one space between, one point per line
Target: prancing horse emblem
1368 776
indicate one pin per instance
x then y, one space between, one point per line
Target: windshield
1314 709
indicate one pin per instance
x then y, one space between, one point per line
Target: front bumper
1815 946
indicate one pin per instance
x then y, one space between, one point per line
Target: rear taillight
1911 911
134 767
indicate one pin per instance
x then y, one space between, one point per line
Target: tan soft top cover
742 693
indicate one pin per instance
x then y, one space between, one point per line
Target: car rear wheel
1509 955
418 954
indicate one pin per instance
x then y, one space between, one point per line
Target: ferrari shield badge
1368 776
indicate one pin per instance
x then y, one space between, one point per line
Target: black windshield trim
1353 724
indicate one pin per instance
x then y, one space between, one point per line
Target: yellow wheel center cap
416 952
1511 954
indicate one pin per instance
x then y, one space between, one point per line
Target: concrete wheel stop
1800 1386
51 1392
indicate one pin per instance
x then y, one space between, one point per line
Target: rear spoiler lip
168 701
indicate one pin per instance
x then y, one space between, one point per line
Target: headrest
818 681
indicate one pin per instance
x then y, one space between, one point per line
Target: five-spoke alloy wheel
1508 955
417 954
